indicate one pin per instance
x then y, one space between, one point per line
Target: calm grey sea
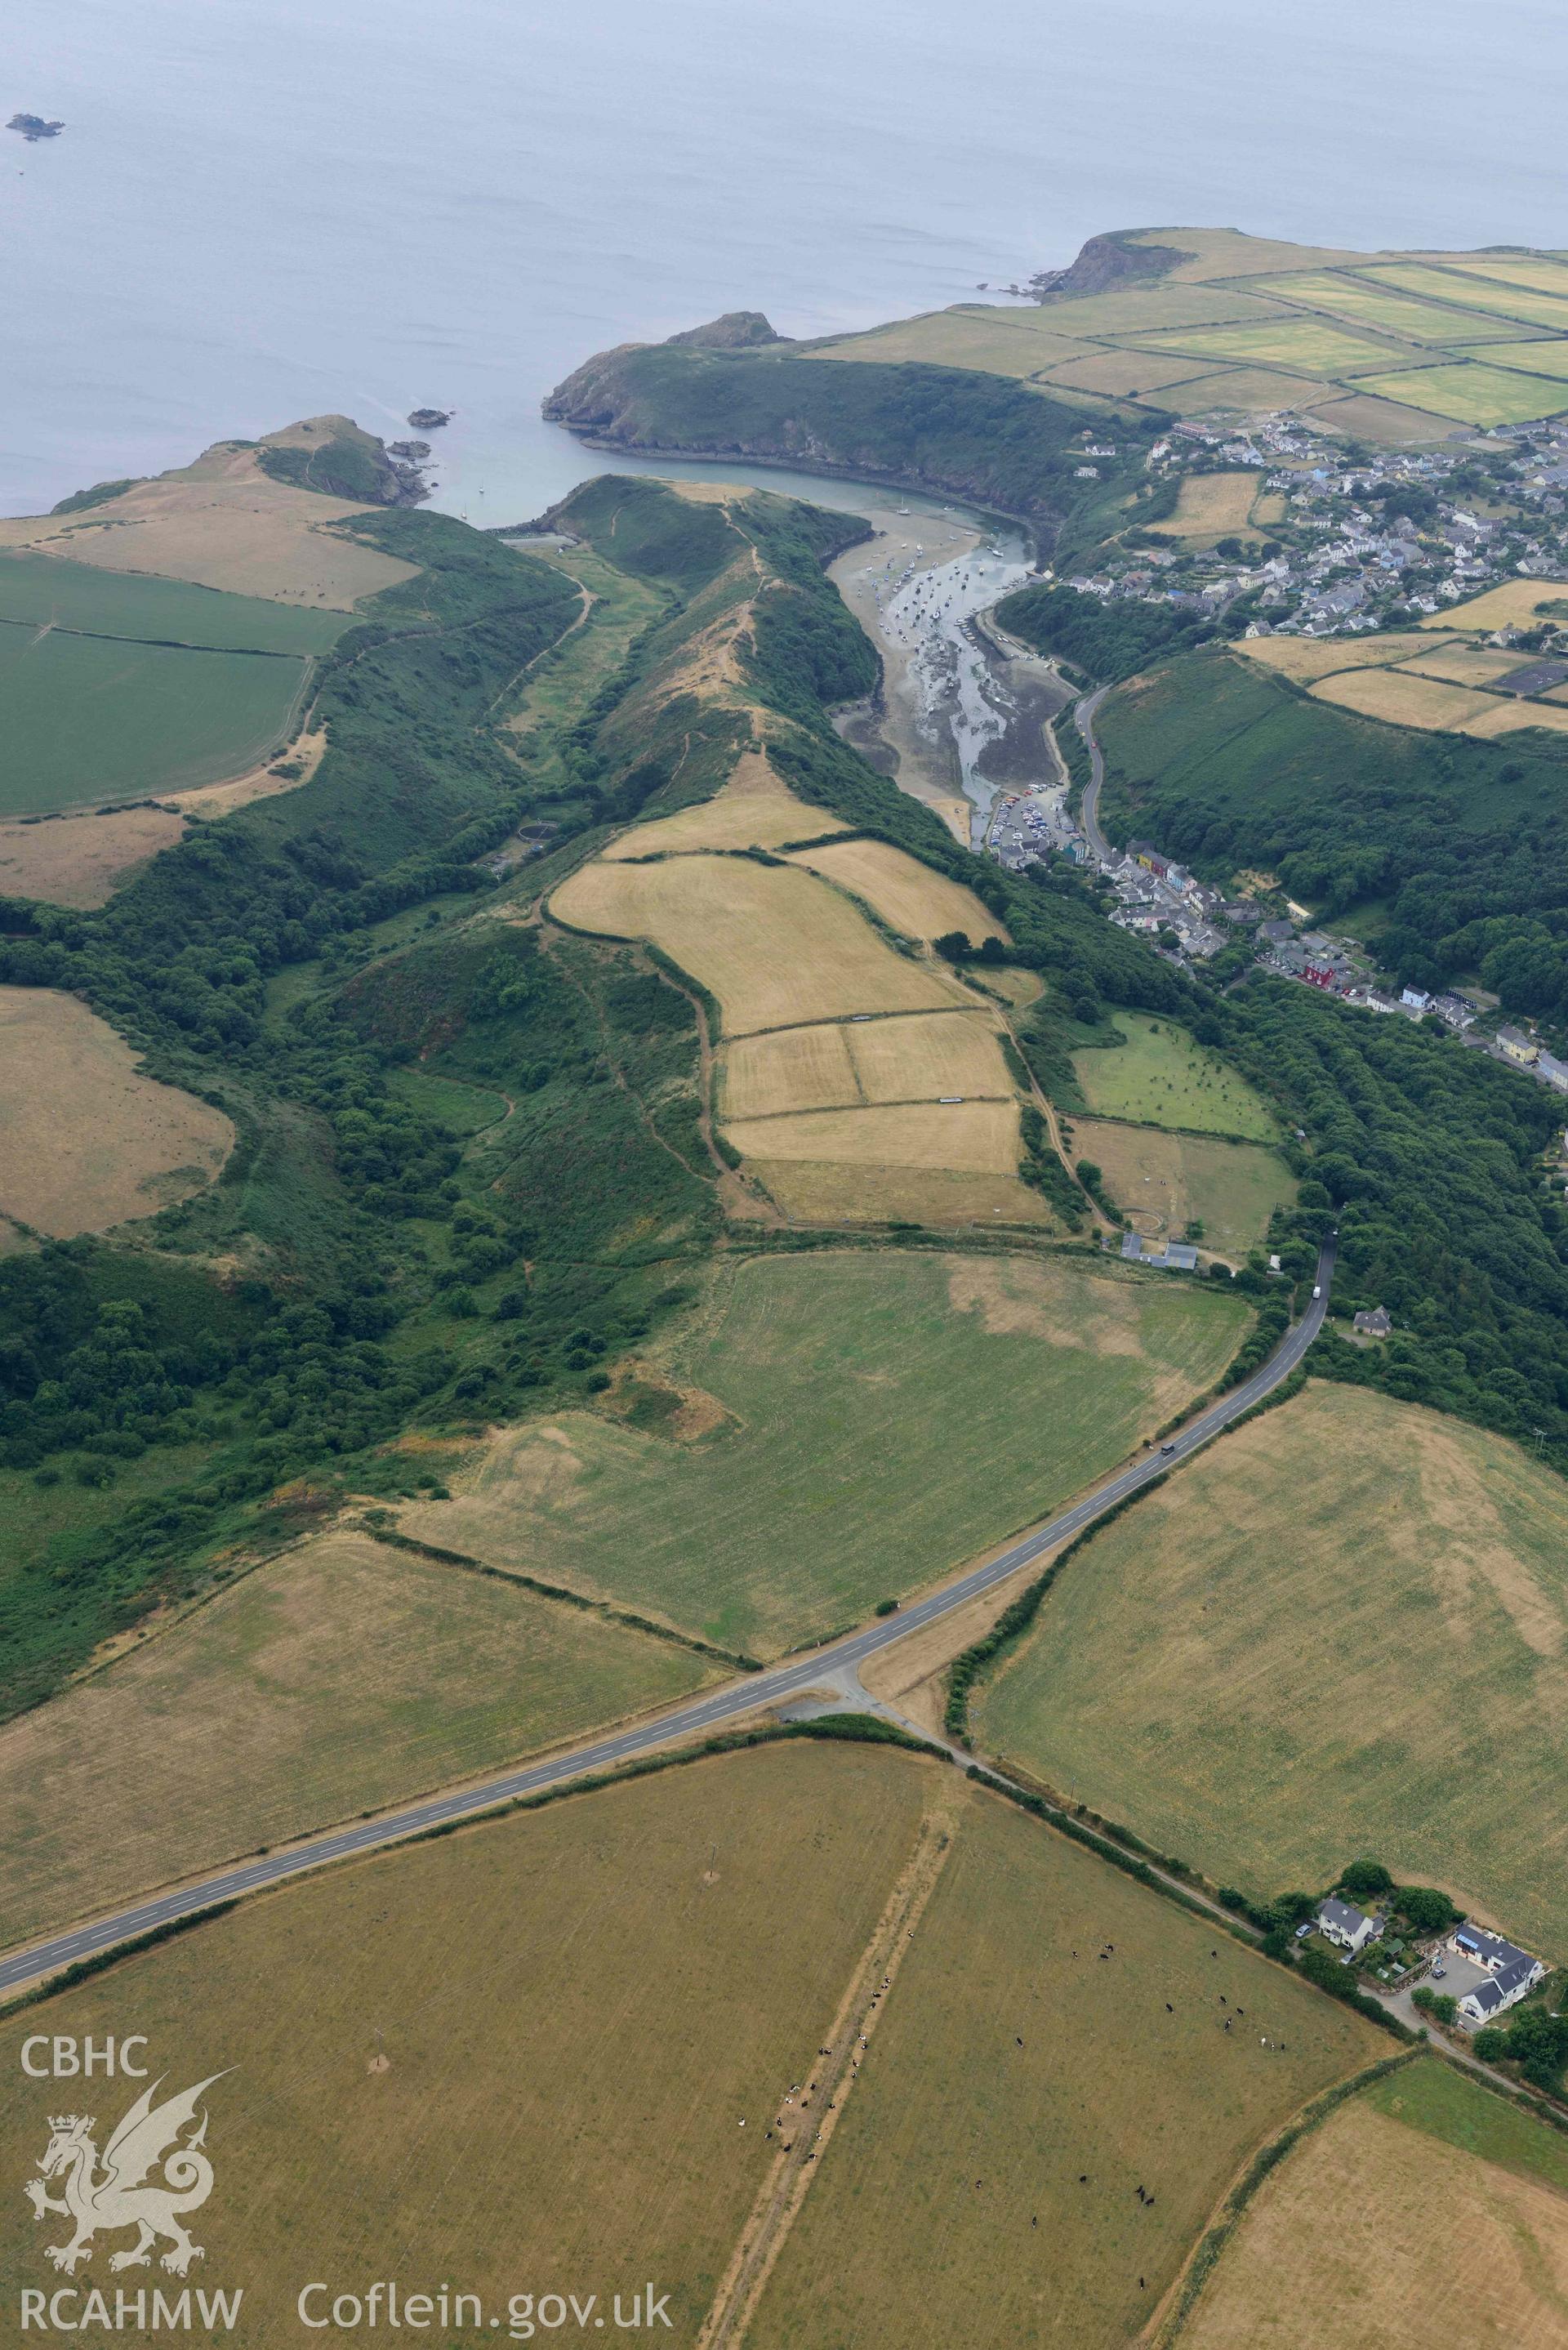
266 208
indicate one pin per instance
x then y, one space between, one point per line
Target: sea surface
264 209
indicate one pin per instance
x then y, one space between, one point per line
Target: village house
1511 1972
1347 1927
1518 1046
1374 1322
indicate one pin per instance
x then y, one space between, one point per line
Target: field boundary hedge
1205 2256
568 1598
844 1729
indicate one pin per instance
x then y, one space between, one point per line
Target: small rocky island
429 420
33 126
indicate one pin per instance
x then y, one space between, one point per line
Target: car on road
1317 1289
1167 1448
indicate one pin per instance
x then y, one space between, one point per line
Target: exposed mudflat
959 720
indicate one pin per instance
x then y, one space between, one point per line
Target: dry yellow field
970 1138
515 2059
1362 416
1510 717
81 860
1211 506
754 810
997 341
1546 275
1390 2238
340 1677
916 1056
222 523
1162 308
1403 699
85 1141
1046 2112
772 942
827 1191
1231 253
917 901
1237 391
1119 374
1306 657
927 1054
1477 293
1462 664
788 1069
1515 605
1343 1630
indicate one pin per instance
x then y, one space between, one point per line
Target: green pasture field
88 718
1166 1180
57 594
1441 2101
1310 345
340 1677
1342 1631
863 1422
1161 1076
981 2183
1471 392
1377 306
1473 293
514 2059
1547 357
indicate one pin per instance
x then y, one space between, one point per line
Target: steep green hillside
984 436
1463 843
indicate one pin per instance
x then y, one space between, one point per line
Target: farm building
1339 1922
1176 1256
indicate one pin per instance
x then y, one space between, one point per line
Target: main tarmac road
702 1716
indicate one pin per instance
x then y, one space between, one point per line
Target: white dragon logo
115 2196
